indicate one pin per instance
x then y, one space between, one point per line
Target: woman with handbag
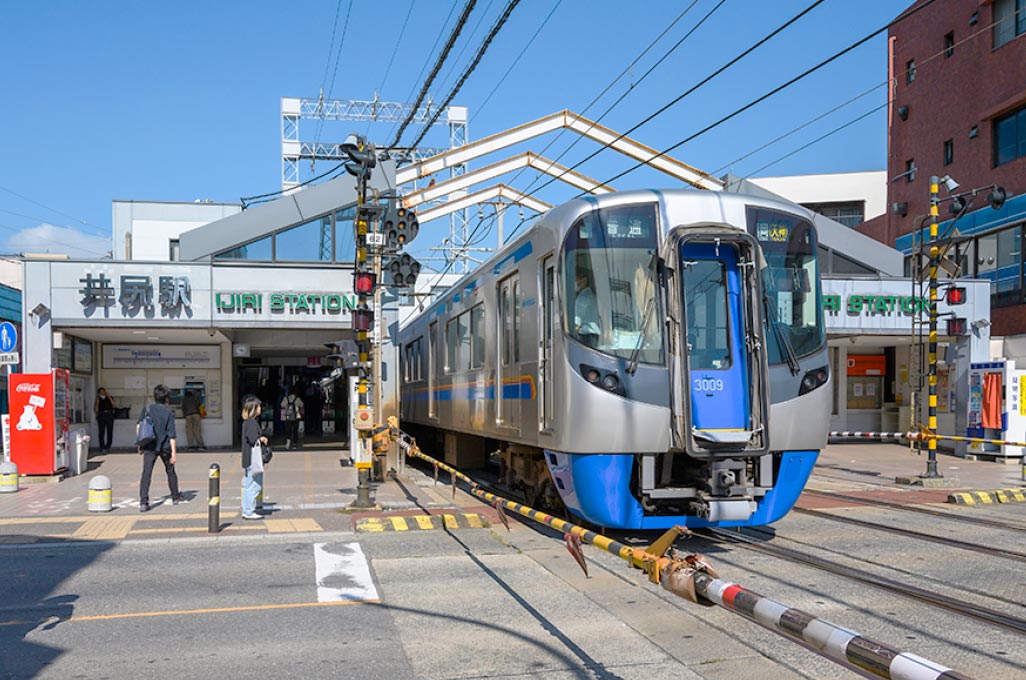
253 457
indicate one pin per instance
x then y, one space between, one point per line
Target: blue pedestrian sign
8 337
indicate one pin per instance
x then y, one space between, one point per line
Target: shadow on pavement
32 575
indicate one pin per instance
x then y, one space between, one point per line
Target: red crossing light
956 326
363 283
956 295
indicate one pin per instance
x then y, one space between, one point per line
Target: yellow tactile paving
279 526
105 528
306 524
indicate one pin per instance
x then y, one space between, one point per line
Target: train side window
451 344
516 321
506 321
477 346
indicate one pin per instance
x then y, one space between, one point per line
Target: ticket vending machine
39 422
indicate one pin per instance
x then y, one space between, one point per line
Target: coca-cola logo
28 387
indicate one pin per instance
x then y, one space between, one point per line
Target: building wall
150 225
954 97
870 187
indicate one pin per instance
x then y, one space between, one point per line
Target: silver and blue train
644 358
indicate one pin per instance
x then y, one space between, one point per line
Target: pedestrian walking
163 447
104 407
292 414
192 410
252 457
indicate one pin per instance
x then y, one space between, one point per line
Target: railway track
968 519
933 598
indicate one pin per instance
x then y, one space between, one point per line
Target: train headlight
813 379
592 375
610 382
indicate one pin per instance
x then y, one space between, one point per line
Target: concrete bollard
8 477
1022 473
99 494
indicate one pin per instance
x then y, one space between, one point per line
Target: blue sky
180 101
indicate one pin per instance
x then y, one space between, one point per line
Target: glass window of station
995 256
328 238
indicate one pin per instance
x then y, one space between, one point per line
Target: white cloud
47 238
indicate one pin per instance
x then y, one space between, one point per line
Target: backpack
290 408
147 435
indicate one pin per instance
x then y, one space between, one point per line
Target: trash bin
80 452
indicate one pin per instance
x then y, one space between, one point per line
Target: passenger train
646 358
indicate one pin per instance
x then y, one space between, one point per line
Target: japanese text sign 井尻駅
173 292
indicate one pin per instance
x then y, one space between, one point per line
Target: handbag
202 411
266 453
146 435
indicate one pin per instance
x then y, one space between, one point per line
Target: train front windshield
792 306
609 275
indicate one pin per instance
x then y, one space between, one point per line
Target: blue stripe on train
521 390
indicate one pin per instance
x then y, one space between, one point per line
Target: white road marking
343 573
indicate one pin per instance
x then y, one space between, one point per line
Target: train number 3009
708 385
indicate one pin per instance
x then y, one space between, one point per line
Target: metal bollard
214 506
1022 473
99 494
8 477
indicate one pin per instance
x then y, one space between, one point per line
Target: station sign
283 303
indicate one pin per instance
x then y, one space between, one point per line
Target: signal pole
934 251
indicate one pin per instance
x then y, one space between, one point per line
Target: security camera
211 332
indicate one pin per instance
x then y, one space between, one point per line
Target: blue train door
717 362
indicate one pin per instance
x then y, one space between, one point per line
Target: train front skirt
596 488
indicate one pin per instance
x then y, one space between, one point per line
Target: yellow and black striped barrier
377 525
990 497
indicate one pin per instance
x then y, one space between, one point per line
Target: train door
432 366
724 377
507 379
547 310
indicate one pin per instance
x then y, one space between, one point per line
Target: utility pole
934 252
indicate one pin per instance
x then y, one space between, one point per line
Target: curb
377 525
1016 495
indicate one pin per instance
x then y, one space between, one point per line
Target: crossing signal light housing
956 326
955 295
997 197
400 226
402 271
363 282
363 319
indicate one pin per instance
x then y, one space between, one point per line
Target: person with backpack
155 436
253 444
292 413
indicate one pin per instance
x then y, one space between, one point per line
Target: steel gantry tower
294 150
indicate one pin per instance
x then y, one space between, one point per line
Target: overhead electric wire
623 96
519 57
445 80
395 51
744 108
936 55
470 68
439 62
676 100
338 56
46 207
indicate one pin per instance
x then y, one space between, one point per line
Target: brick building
958 70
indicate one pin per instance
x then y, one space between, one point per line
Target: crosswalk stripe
342 573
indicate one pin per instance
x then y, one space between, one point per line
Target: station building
209 298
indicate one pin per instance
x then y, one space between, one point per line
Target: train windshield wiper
782 336
632 365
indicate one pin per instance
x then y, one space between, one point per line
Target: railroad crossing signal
402 271
400 226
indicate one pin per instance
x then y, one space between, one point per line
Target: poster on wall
161 356
943 388
82 355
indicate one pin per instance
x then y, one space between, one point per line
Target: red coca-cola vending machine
39 422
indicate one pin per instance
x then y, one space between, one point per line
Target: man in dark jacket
193 420
163 447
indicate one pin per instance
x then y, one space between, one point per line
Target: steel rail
693 579
953 604
982 521
951 542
